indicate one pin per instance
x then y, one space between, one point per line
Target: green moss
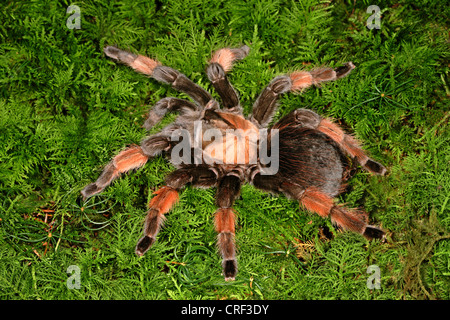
65 110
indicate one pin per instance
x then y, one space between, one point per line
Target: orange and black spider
213 146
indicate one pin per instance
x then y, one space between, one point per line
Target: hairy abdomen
310 158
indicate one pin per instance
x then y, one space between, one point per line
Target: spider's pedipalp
130 158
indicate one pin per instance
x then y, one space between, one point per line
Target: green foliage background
66 110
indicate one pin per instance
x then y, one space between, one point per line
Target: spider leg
180 82
159 143
161 203
225 220
169 104
350 145
275 184
167 196
319 202
219 65
309 119
265 105
139 63
130 158
164 74
316 201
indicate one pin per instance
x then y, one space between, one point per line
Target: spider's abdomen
310 158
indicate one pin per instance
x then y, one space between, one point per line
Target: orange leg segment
322 204
130 158
164 199
351 146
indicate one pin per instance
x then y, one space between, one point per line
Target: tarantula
221 148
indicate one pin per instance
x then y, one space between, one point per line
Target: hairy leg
156 144
167 196
309 119
181 83
219 65
265 106
139 63
130 158
225 219
165 105
161 73
304 79
322 204
276 184
161 203
351 146
317 201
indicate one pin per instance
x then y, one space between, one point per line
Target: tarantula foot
120 55
344 70
143 245
229 269
375 167
372 232
90 190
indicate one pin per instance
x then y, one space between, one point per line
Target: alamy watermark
374 280
74 280
74 20
374 21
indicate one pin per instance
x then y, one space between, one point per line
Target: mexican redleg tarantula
311 152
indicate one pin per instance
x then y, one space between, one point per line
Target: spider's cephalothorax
218 147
